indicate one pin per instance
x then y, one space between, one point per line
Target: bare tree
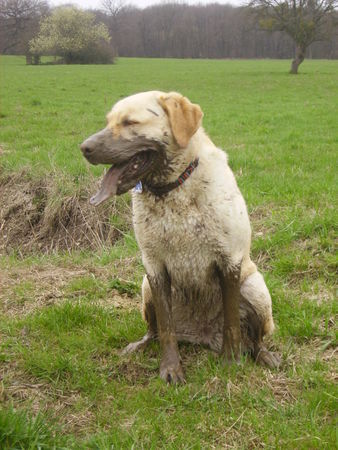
114 9
305 21
19 20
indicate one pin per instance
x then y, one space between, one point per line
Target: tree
73 34
19 21
305 21
114 9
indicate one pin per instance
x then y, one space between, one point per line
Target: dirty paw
133 347
268 359
172 374
139 345
230 360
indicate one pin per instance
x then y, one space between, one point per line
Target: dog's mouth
122 177
132 161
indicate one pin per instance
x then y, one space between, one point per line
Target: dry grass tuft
283 388
40 216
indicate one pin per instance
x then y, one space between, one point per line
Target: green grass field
66 315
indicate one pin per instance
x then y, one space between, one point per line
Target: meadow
67 310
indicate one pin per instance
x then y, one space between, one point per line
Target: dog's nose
87 147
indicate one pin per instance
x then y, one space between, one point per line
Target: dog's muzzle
131 160
102 147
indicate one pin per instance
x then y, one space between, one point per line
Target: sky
140 3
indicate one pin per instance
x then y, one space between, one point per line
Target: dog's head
142 132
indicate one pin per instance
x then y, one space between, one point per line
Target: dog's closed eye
129 122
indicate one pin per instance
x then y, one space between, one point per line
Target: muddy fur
201 284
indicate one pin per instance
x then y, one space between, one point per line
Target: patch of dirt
36 215
132 372
119 301
47 285
46 288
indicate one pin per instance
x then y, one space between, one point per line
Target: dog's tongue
108 186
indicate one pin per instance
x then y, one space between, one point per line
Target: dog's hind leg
255 294
254 290
149 315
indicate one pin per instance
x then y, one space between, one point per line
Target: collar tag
138 189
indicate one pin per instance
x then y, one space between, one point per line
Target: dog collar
164 189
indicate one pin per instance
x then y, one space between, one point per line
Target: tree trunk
299 58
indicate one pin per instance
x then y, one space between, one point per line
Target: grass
64 317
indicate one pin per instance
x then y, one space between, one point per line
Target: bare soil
47 285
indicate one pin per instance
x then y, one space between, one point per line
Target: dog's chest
179 235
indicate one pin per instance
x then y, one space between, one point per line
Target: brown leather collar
160 190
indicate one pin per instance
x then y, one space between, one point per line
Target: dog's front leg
230 287
170 367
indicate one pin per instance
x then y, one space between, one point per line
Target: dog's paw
172 374
133 347
139 345
268 359
231 359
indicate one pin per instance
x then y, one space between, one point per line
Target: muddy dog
192 227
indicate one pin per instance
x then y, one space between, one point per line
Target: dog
193 229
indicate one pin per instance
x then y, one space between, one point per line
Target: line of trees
202 31
173 30
19 23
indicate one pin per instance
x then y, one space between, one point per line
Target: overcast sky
139 3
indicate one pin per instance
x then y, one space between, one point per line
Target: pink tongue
108 186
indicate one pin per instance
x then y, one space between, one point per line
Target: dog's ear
184 117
